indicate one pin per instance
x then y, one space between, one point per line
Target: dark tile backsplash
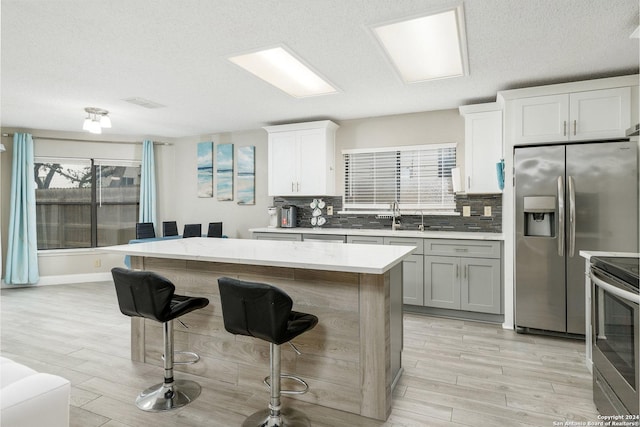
476 222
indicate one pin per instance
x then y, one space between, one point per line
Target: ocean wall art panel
224 171
205 169
247 175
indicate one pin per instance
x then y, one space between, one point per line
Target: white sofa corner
32 399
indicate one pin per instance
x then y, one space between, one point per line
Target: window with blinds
417 177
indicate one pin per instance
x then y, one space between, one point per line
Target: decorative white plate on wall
317 219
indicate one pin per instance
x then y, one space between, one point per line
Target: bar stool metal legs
264 311
275 415
150 296
171 393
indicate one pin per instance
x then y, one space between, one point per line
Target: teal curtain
22 247
148 185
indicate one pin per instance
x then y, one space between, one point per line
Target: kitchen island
351 359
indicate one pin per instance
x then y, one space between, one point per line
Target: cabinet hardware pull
461 249
298 187
575 125
465 271
457 272
292 190
564 128
468 182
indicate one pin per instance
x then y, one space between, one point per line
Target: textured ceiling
61 56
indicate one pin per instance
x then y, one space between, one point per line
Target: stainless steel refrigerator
573 197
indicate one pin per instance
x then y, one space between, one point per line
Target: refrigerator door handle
560 216
572 216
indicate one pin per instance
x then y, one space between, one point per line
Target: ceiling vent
144 103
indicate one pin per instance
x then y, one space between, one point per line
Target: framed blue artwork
224 171
247 175
205 169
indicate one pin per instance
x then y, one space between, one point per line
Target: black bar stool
264 311
149 295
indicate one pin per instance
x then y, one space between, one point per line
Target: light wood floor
456 372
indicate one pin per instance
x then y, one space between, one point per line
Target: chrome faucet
421 226
395 214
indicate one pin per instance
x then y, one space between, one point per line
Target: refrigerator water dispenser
539 213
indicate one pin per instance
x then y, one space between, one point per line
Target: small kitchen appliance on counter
615 335
273 216
288 216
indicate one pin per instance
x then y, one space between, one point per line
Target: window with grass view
417 177
85 203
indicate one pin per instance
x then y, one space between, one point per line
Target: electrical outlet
329 210
97 263
487 211
466 211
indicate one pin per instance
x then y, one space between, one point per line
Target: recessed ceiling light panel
426 48
144 102
283 70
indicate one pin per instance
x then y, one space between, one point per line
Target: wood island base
351 359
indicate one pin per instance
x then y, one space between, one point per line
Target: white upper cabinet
302 159
599 114
579 116
482 147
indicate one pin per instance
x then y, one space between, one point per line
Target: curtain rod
92 141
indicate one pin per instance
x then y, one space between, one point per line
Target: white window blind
417 177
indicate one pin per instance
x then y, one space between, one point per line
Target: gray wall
177 174
430 127
187 207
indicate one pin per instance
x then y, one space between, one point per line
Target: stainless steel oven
615 340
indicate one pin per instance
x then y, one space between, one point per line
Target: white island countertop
460 235
372 259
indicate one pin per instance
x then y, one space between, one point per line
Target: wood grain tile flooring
456 373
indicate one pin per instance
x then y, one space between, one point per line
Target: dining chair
192 230
215 229
145 230
169 228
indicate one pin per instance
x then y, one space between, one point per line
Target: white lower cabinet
287 237
441 273
412 278
471 282
412 269
365 240
442 282
412 265
480 288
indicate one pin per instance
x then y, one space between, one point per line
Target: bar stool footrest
195 356
290 377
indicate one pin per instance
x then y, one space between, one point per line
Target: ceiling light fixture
283 70
426 48
96 119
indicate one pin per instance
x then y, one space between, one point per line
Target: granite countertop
372 259
462 235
